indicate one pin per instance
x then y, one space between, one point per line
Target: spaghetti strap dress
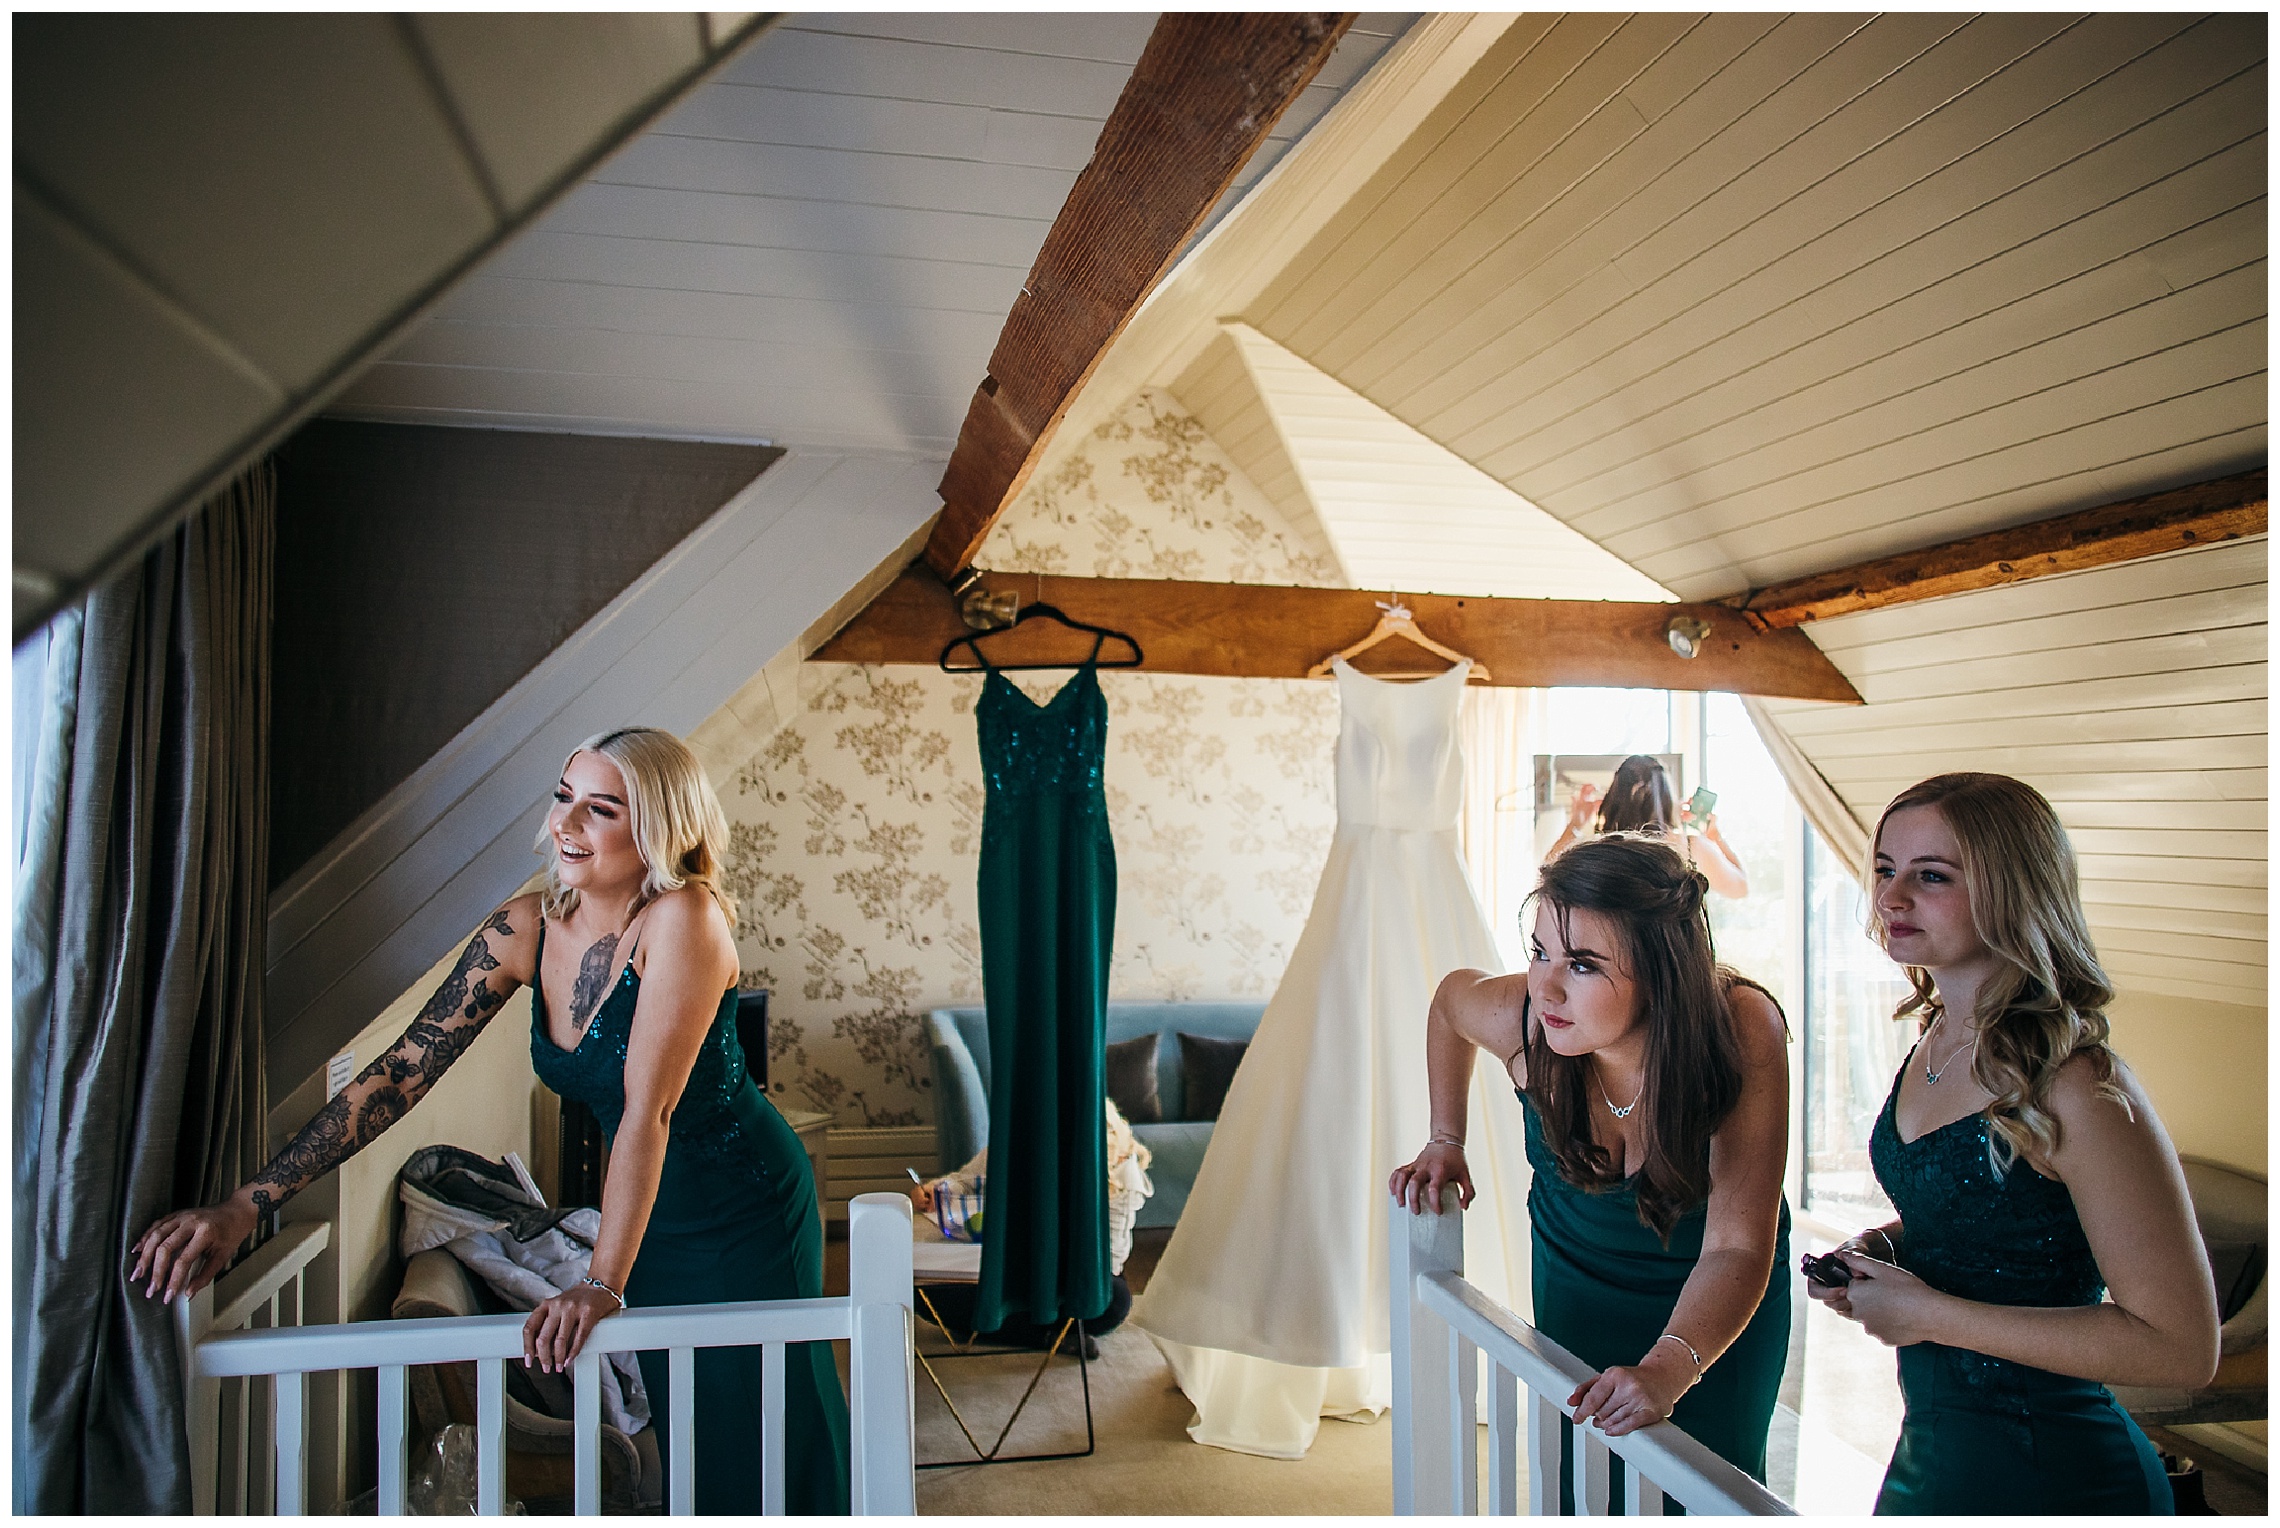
1605 1287
1983 1434
1046 896
735 1219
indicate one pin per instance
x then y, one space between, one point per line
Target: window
1757 820
1853 1046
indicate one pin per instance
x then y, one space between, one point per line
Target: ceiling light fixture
1686 634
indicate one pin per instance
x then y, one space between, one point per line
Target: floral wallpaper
857 828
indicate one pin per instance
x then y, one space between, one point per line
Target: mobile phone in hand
1827 1270
1699 805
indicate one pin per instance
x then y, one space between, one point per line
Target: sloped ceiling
1394 503
219 217
1745 297
816 249
2134 697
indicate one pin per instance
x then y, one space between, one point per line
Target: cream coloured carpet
1143 1461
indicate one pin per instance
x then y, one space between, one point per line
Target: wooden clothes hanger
1036 611
1398 622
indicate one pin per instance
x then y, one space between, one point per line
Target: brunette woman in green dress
2031 1176
1656 1088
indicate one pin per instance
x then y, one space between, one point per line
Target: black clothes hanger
1037 611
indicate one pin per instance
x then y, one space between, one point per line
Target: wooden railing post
201 1398
878 1285
1425 1447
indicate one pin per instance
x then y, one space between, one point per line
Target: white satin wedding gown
1271 1300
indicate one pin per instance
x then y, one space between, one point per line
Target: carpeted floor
1143 1461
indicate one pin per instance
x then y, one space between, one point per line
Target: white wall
2204 1065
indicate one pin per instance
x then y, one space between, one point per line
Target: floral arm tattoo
385 1091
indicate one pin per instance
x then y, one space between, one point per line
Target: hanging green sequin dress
735 1219
1983 1434
1048 913
1605 1287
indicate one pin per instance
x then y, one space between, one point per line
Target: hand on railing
560 1325
1626 1397
181 1253
1440 1165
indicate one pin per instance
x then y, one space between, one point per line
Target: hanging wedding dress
1271 1300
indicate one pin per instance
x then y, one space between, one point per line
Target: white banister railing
232 1439
1441 1326
874 1317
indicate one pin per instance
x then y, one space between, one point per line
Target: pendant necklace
1625 1111
1931 1077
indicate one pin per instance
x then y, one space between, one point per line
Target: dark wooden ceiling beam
1200 102
2222 509
1262 631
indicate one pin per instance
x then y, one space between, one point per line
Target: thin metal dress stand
960 1263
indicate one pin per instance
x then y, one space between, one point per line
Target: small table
948 1262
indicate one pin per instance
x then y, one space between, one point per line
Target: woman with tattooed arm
708 1195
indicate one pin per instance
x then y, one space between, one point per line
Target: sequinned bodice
715 1118
1042 750
2008 1240
1400 762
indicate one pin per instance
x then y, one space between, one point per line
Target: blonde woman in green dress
709 1197
2032 1179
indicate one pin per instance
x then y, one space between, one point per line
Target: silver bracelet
1891 1252
1444 1138
1690 1353
605 1289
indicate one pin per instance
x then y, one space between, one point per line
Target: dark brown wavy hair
1694 1066
1641 798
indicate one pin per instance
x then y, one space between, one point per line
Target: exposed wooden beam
1200 102
1266 631
2222 509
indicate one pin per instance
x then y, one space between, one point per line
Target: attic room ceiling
1742 298
218 218
817 248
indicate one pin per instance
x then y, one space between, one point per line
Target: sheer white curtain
1845 834
1504 730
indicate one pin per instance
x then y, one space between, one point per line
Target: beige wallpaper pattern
857 828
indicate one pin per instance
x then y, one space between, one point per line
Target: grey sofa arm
961 1099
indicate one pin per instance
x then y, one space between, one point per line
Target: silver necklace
1625 1111
1930 1076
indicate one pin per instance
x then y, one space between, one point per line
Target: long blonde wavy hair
2048 1004
676 819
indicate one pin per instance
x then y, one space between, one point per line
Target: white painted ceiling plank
1489 540
795 58
833 176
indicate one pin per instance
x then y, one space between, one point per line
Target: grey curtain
138 959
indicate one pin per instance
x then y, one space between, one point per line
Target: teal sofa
960 1040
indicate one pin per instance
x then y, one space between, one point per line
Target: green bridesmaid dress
735 1219
1605 1287
1983 1434
1048 911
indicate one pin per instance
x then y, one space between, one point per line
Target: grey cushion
1132 1080
959 1041
1207 1066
